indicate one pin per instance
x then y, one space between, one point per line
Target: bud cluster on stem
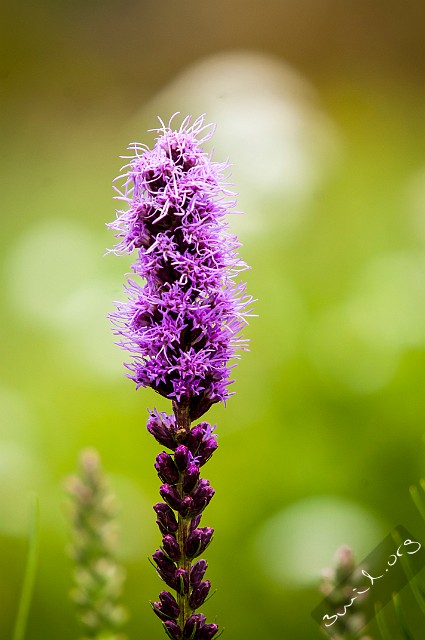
185 497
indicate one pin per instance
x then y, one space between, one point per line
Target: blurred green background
319 105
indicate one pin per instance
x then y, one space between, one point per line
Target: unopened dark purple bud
207 534
197 572
199 594
173 630
164 564
193 543
194 438
181 457
197 541
203 483
182 581
160 432
186 506
166 519
157 608
191 477
169 605
206 450
171 547
170 581
195 621
207 632
170 495
202 496
166 469
195 521
168 578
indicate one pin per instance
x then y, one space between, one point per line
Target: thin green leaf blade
29 576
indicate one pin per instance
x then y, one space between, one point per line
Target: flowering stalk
183 540
97 576
180 328
337 585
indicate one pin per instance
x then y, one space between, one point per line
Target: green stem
184 563
183 427
29 577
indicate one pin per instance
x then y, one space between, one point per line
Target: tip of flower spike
186 127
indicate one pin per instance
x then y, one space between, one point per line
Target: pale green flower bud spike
98 578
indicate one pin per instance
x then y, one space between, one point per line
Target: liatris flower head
180 327
98 577
180 323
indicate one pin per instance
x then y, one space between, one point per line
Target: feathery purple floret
180 324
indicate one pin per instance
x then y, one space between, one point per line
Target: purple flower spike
179 325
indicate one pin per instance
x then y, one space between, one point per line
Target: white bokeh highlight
21 470
55 275
281 143
296 544
358 343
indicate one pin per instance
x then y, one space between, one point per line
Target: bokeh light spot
296 544
46 265
358 343
283 144
21 474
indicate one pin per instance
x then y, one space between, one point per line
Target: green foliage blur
320 106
